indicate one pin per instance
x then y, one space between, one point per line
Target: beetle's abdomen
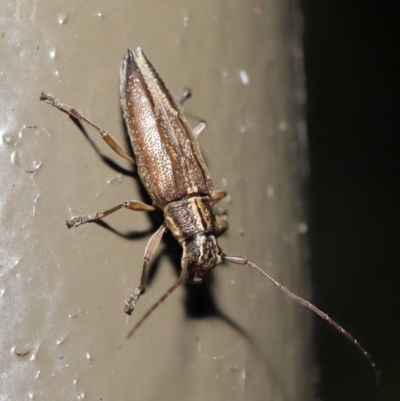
168 156
190 216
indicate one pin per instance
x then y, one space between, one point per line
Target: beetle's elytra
172 169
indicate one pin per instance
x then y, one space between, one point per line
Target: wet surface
62 291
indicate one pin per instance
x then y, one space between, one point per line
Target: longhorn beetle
172 169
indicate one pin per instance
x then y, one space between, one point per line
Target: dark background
352 57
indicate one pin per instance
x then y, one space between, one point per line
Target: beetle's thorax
190 216
192 222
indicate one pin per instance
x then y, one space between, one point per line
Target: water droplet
283 126
60 340
118 179
186 20
10 138
7 139
14 157
52 53
22 351
244 78
32 142
62 18
303 228
37 164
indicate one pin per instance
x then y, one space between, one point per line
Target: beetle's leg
199 129
185 95
223 225
217 196
180 281
88 218
71 111
151 247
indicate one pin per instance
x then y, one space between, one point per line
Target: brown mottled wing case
168 157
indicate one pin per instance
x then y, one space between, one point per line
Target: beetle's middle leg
151 247
88 218
216 196
222 224
71 111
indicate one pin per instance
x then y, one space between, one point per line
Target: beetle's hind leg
71 111
151 247
89 218
199 129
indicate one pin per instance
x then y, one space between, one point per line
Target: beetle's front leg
151 247
71 111
88 218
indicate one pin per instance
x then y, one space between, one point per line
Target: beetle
171 168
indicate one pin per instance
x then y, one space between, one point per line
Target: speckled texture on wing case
168 157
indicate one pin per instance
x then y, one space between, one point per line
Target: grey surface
62 291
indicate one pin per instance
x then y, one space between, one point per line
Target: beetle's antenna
159 301
242 261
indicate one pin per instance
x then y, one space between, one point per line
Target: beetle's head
203 253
